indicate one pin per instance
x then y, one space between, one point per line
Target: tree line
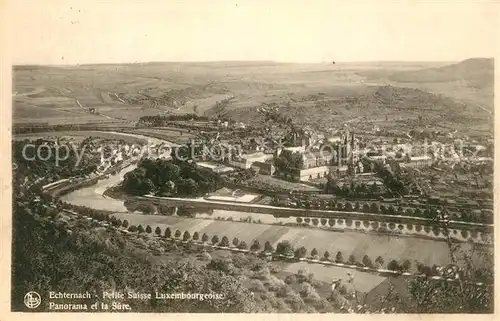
160 121
426 211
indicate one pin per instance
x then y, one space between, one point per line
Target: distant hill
385 106
478 72
58 94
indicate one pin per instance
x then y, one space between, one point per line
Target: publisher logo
32 300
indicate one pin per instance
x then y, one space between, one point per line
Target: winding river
93 196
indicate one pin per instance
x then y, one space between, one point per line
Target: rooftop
253 155
418 158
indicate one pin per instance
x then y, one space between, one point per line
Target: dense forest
166 178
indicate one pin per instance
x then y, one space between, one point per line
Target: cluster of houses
320 157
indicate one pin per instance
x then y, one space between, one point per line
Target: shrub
290 279
357 207
215 239
348 207
158 231
409 227
375 225
391 210
204 237
236 242
409 212
309 294
177 234
464 233
186 236
427 229
315 221
339 258
474 234
340 206
400 227
243 245
426 270
383 209
301 252
125 224
379 260
417 212
358 224
132 228
436 231
366 208
486 237
301 275
268 247
352 259
299 220
196 236
307 220
331 222
149 229
224 242
406 265
284 248
340 222
366 261
255 246
393 266
400 211
348 222
326 256
314 252
366 224
256 286
392 226
168 233
418 228
324 221
342 289
140 229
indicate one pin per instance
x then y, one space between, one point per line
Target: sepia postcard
241 157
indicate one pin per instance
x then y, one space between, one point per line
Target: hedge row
391 226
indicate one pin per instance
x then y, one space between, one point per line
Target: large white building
245 161
418 161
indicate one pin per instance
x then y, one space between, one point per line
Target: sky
119 31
